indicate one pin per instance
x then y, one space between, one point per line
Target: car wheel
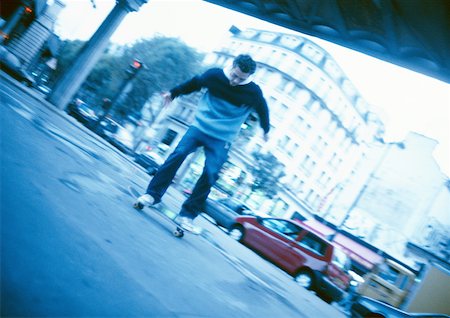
237 232
326 299
374 315
305 279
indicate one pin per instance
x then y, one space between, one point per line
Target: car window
340 259
313 243
154 156
282 227
392 275
84 107
234 205
403 282
230 204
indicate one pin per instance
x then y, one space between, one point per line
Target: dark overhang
414 34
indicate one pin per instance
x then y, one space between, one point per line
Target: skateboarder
229 98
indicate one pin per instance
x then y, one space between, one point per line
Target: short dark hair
245 63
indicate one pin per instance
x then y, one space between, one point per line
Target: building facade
27 28
406 198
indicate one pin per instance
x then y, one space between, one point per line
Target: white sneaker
187 224
146 199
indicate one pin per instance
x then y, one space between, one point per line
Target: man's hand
266 137
167 98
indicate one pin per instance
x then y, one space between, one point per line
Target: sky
408 101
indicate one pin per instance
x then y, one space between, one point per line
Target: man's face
237 76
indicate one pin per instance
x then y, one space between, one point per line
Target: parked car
121 138
314 262
224 211
79 110
11 65
365 307
106 127
149 160
44 89
388 282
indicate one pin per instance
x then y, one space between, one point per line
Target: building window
169 137
314 54
272 101
303 97
273 79
308 165
294 91
308 196
282 84
324 117
331 128
283 141
280 208
292 149
280 111
301 185
313 106
322 178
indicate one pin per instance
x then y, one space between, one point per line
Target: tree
168 62
266 170
66 54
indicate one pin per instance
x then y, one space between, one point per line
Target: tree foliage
167 62
67 53
266 171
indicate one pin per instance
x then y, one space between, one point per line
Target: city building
405 199
28 46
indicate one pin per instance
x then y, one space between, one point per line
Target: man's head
243 67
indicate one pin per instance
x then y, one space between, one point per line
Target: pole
125 87
69 83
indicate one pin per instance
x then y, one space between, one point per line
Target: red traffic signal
136 64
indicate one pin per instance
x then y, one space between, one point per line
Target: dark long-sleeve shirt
223 108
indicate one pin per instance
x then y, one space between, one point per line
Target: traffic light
134 67
137 64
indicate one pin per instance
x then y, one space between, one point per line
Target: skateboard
163 210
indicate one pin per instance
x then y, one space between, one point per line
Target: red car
314 262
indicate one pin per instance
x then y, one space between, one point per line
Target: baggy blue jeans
216 152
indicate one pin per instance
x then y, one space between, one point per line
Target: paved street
72 245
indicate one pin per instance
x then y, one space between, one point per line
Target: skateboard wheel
138 206
178 232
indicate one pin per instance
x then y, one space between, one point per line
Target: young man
229 98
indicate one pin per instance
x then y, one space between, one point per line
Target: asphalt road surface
72 245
